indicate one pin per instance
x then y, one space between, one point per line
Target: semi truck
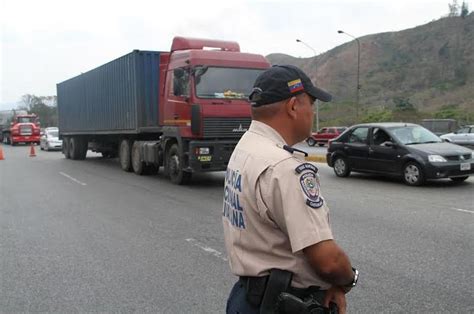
183 109
17 126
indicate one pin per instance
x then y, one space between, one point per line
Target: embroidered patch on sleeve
310 185
306 166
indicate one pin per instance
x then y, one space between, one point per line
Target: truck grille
225 127
26 130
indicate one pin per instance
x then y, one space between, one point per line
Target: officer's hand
336 295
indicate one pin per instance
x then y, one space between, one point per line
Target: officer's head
283 97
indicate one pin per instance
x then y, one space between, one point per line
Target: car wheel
341 167
311 141
41 147
459 179
413 174
320 144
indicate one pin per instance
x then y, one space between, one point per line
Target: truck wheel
175 166
82 146
310 141
138 165
65 148
73 149
124 155
320 144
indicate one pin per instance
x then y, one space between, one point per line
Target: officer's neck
285 129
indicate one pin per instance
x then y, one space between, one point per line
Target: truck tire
82 147
138 165
124 155
310 141
174 164
65 148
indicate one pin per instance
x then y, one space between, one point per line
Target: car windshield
411 135
213 82
53 133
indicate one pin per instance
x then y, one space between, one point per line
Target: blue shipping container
118 97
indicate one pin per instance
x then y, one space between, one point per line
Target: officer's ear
290 107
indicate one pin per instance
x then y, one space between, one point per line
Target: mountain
429 68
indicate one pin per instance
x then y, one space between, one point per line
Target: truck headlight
436 158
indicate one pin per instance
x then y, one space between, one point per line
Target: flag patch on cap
295 86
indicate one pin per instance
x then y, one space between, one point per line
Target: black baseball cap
281 82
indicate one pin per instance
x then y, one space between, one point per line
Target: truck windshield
213 82
26 120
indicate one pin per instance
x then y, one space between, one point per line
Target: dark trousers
237 303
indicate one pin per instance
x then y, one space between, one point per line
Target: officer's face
305 115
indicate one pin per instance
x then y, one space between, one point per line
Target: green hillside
426 71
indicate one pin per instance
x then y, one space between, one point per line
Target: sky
44 42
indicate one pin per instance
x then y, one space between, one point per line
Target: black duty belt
255 288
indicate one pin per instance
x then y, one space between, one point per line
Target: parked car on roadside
464 136
50 140
323 136
399 149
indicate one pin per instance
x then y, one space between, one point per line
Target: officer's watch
354 281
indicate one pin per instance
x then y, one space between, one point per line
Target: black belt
255 288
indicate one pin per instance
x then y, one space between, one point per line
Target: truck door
178 93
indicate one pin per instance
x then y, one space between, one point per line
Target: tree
454 8
464 10
45 107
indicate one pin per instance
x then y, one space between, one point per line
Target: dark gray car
399 149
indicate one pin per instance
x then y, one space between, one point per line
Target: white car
464 136
50 141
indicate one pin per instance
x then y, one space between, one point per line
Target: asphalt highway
84 236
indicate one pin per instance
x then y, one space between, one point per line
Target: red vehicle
183 109
324 135
24 128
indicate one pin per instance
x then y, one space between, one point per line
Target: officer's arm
330 262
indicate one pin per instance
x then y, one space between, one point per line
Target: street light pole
358 71
316 102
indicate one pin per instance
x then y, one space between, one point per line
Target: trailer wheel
124 155
138 165
74 148
175 166
65 148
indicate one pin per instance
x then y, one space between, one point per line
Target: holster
279 281
291 304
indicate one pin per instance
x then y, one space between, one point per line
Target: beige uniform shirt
272 208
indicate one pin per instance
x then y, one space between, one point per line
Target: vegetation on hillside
423 72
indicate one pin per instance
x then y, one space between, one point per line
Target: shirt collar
266 131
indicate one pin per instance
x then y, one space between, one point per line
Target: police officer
276 222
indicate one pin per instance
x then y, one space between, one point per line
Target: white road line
71 178
464 210
207 249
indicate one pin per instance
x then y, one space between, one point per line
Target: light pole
358 71
316 102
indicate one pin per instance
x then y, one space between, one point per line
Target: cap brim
319 94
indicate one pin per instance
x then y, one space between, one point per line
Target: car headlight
436 158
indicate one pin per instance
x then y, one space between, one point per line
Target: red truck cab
24 129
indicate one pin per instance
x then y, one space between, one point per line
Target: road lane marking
464 210
71 178
207 249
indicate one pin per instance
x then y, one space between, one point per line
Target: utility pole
316 102
358 71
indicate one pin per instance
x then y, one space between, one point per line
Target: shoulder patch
306 166
310 185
